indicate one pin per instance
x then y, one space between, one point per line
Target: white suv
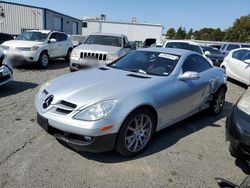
39 46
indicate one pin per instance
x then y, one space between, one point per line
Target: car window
53 36
62 37
195 63
247 56
151 63
223 47
239 54
185 46
232 47
33 36
245 46
104 40
211 50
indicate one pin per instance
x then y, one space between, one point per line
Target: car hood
90 86
98 48
21 43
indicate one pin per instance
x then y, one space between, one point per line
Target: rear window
223 47
245 46
185 46
232 47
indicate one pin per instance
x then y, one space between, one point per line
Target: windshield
223 47
211 50
185 46
104 40
33 36
152 63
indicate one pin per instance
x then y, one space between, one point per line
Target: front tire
43 60
237 153
218 101
135 133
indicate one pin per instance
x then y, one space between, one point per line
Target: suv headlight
244 104
34 48
75 53
97 111
112 57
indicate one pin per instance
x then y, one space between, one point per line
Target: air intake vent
65 107
138 76
103 68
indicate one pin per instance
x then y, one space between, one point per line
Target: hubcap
138 133
219 102
45 60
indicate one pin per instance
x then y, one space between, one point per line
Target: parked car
5 37
149 42
226 48
214 54
99 49
237 65
227 184
238 128
6 72
187 45
77 40
122 104
39 46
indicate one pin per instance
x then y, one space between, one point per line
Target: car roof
184 41
175 51
109 34
42 31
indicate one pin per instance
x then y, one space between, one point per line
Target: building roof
108 34
18 4
127 23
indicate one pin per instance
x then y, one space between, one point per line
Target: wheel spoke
131 144
136 144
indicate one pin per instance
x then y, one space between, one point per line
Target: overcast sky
171 13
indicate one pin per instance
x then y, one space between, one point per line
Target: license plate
43 122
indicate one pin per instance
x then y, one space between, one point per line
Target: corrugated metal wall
67 23
17 18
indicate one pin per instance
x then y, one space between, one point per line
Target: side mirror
52 40
247 61
207 53
14 37
189 76
127 45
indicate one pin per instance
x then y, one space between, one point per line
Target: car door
53 46
236 66
244 67
193 94
125 50
62 45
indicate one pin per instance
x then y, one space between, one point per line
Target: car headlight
112 57
97 111
34 48
44 85
75 53
244 104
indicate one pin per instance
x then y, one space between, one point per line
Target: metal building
16 18
134 31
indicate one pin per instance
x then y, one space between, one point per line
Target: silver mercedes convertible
121 105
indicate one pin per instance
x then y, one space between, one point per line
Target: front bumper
6 74
78 63
23 56
238 130
79 142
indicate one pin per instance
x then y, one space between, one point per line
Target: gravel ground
189 154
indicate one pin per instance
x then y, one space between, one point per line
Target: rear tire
43 60
218 101
135 133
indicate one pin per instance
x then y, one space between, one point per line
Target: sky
194 14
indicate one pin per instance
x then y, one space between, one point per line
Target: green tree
181 33
170 33
190 34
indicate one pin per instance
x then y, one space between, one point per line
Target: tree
170 33
181 33
190 34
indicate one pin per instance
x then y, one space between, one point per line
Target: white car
39 46
6 72
237 65
99 49
187 45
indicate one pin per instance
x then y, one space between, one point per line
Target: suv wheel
135 133
43 60
218 101
68 55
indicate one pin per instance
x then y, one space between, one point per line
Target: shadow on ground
237 83
165 138
15 87
54 64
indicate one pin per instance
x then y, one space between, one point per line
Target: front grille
99 56
65 107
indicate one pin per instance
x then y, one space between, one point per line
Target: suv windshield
33 36
104 40
185 46
152 63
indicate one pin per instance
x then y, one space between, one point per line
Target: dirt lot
189 154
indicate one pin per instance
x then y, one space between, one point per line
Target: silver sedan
120 106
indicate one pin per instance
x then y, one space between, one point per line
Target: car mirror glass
189 76
52 40
247 61
207 53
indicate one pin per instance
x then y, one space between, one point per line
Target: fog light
88 138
